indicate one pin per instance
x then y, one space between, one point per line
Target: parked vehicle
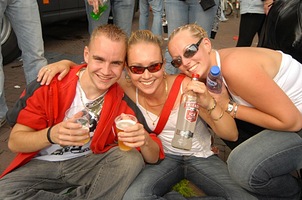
54 11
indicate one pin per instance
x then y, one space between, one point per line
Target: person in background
157 97
181 12
24 17
252 17
266 101
157 10
282 27
221 7
53 162
122 11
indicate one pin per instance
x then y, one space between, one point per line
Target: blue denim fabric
157 10
209 174
179 13
25 20
3 106
122 11
263 163
94 176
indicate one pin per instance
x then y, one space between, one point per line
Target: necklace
94 107
153 121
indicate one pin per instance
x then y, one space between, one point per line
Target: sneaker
2 122
223 19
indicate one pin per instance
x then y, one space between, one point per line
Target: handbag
207 4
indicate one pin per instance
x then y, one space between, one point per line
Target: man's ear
86 54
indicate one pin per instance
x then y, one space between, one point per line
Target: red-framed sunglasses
140 69
190 51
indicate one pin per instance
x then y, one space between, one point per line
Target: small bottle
186 120
102 8
214 80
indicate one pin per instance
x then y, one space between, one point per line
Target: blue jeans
263 163
122 11
25 20
157 10
94 176
179 13
209 174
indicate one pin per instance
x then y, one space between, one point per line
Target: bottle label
191 113
211 83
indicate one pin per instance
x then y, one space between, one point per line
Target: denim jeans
179 13
94 176
3 105
157 10
122 11
209 174
263 164
25 20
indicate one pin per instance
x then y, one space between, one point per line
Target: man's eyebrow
98 58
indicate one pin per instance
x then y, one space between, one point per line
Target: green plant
183 188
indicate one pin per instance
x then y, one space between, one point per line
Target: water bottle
214 80
102 8
186 120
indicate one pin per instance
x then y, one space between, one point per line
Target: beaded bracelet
221 115
213 107
48 135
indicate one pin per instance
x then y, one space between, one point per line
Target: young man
52 162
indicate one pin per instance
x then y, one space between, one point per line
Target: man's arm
25 139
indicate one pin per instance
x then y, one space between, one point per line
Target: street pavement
66 41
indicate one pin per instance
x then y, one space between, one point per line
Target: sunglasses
190 51
151 68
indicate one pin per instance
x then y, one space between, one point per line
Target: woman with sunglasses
157 96
266 101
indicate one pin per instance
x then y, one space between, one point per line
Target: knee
133 160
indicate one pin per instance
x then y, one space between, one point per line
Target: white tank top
289 79
201 146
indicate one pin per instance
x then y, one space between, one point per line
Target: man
25 19
52 162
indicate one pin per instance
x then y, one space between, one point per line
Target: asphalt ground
66 41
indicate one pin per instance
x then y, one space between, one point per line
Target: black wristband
48 135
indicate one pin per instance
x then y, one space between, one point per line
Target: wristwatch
231 106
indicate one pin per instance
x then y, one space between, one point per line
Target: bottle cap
215 70
195 76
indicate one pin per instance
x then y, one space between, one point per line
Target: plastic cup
121 122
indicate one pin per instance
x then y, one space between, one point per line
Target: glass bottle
214 80
186 120
102 8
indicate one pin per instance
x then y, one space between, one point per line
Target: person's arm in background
267 5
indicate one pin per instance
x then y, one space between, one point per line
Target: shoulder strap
165 113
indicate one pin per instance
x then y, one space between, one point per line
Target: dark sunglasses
190 51
151 68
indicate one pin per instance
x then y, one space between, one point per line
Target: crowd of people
258 115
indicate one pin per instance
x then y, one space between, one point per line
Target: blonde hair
196 31
144 36
110 31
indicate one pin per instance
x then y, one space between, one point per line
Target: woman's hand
222 98
134 136
205 98
47 73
